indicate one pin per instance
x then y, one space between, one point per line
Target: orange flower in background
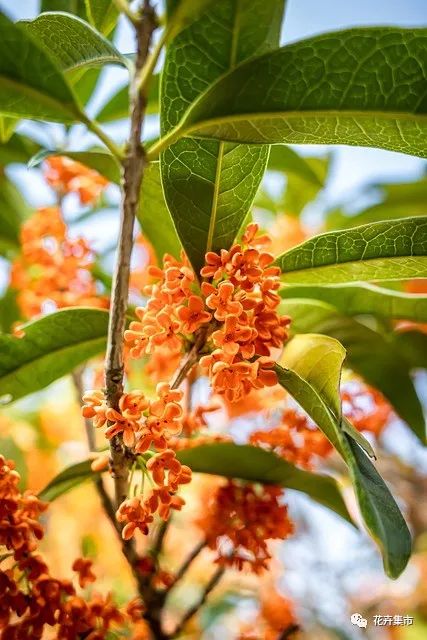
68 176
53 268
240 519
83 567
366 407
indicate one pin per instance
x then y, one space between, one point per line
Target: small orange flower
68 176
83 566
193 316
95 407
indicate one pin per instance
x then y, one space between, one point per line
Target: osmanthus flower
68 176
365 407
231 316
31 599
240 519
53 268
276 615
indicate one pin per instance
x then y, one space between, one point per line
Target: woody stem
133 168
190 359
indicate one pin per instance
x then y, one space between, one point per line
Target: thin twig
133 169
186 565
190 359
200 602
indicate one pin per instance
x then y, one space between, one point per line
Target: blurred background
327 569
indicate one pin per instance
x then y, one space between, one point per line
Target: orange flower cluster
68 176
238 521
276 616
236 307
366 408
52 267
296 439
144 425
30 598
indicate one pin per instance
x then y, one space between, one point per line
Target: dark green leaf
181 13
369 353
257 465
359 86
84 83
380 511
18 148
154 216
102 14
117 108
72 42
13 211
69 478
413 347
359 299
378 508
390 250
36 89
51 347
210 186
283 158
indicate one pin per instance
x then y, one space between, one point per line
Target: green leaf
257 465
84 82
380 512
13 211
9 310
102 14
181 13
283 158
72 42
51 348
359 86
154 217
369 353
66 480
413 347
210 186
390 250
76 7
7 127
18 148
101 161
359 299
117 108
36 89
398 201
299 192
378 508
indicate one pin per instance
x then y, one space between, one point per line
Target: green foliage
324 89
358 299
13 210
117 107
389 250
378 508
68 479
154 217
210 186
102 14
72 42
370 353
36 89
18 148
51 347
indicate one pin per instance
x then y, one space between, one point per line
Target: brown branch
185 566
200 602
133 169
190 359
288 632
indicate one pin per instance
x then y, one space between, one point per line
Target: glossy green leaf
389 250
36 89
360 299
117 108
154 217
13 211
358 86
102 14
68 479
84 82
257 465
18 148
210 186
72 42
181 13
378 507
397 201
100 160
51 348
369 353
380 512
